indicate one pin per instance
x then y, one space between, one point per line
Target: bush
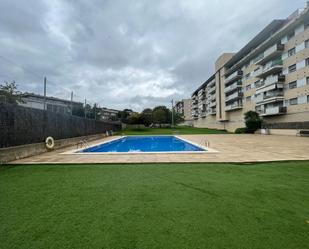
241 130
252 121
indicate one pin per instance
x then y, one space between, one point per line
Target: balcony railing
212 104
270 97
273 79
235 95
212 83
273 111
271 53
213 111
212 89
234 106
236 75
271 68
232 87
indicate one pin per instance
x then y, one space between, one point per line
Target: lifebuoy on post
50 143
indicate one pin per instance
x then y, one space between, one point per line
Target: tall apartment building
183 107
269 75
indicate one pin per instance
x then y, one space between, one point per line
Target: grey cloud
122 54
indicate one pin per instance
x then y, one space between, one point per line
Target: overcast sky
125 54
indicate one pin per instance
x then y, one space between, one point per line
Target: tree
252 121
10 94
135 118
78 111
146 117
159 116
123 115
178 118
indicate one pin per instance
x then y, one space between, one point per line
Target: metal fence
287 125
22 125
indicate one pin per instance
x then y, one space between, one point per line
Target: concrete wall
23 151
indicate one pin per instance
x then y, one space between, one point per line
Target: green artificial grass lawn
155 206
167 131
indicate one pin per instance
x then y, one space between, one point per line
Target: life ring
50 143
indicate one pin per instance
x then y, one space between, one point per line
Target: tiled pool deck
231 148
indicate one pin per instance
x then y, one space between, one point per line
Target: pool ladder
83 143
205 143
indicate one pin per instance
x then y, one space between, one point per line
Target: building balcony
234 106
212 104
267 88
271 111
270 68
270 81
212 90
234 96
234 76
211 84
233 87
202 96
201 92
271 53
203 114
270 98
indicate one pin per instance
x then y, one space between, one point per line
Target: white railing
233 96
257 72
232 106
212 89
273 110
232 76
270 50
232 87
271 80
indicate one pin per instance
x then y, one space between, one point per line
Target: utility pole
72 103
172 113
85 110
44 93
95 111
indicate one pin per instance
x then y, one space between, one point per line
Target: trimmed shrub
253 121
241 130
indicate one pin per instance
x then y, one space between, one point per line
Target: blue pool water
145 144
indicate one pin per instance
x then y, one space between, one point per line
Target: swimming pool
140 144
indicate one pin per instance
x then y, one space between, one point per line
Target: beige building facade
183 107
269 75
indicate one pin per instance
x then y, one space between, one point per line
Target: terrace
231 148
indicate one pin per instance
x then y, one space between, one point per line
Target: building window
293 101
307 62
307 43
248 99
307 98
293 85
307 80
247 76
291 52
248 87
292 68
291 35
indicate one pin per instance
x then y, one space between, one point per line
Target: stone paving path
230 147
